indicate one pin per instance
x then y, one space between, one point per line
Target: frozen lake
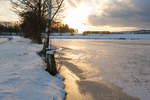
104 36
124 63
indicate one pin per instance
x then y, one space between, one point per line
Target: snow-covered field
106 36
125 63
23 75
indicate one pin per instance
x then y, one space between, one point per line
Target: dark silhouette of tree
34 15
58 27
31 27
39 16
9 29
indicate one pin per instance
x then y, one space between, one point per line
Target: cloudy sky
113 15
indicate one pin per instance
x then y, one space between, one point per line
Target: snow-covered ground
2 40
106 36
6 37
125 63
23 75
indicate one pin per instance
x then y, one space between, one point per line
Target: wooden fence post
51 64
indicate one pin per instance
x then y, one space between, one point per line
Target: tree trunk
47 30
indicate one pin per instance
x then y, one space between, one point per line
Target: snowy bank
23 75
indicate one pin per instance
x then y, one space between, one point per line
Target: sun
77 17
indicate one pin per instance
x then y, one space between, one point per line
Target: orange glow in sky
77 17
97 15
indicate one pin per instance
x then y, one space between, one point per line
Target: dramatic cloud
122 13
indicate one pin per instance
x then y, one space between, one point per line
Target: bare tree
51 15
39 9
38 6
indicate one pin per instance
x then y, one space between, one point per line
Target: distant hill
123 32
139 32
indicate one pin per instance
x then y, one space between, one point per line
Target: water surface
109 69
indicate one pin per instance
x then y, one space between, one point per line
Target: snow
11 37
23 75
50 52
2 40
105 36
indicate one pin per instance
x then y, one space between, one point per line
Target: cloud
122 13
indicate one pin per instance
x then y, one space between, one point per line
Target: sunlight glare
77 17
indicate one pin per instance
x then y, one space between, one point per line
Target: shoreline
79 88
71 86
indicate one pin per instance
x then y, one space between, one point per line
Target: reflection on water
97 62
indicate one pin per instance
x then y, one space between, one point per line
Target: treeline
96 32
57 27
9 29
33 25
36 15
